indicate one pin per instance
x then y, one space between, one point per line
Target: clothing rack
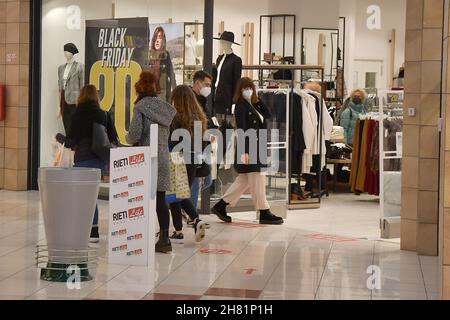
294 68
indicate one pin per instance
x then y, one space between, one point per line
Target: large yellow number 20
115 91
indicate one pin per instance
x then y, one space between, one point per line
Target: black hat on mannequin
70 47
227 36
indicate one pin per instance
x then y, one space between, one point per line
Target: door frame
384 68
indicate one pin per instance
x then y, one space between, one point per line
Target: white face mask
205 92
247 94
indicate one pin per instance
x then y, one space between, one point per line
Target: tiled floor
268 263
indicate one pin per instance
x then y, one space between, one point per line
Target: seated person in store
79 137
352 113
250 114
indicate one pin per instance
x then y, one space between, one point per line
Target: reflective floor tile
333 293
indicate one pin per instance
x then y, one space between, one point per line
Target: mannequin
229 72
70 82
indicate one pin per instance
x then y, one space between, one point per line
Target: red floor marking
249 271
215 251
245 225
329 237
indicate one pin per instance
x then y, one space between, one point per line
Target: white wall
161 11
310 14
235 13
363 43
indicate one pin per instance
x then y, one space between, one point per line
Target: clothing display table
336 163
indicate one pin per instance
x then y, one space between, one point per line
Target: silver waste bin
68 199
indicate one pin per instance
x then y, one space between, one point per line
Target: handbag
203 170
179 188
101 145
64 157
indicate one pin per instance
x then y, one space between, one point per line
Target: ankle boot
220 210
267 217
163 245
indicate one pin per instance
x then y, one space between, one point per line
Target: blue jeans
195 189
94 164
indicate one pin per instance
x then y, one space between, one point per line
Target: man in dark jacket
202 89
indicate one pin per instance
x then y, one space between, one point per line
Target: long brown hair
88 94
245 83
146 86
188 109
155 37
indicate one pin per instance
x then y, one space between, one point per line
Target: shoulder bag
101 145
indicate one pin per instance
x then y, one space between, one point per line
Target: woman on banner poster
161 64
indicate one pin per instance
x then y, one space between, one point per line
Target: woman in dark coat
79 137
251 117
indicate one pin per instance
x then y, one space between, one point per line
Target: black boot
95 237
163 245
267 217
220 210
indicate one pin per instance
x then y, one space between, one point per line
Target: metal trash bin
68 199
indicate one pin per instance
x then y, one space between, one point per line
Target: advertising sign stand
132 211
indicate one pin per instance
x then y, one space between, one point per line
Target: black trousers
67 113
162 211
186 205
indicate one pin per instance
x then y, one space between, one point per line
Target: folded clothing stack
337 133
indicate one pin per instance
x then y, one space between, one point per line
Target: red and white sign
132 204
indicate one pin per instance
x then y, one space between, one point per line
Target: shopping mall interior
366 214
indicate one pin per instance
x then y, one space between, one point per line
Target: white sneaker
200 230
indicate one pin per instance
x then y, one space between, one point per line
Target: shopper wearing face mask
251 115
202 90
352 113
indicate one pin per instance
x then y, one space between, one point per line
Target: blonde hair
362 92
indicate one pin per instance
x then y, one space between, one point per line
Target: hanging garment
371 175
325 120
361 176
298 144
375 161
359 127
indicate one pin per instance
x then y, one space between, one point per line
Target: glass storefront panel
66 21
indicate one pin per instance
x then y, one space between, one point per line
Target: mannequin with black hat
229 72
70 82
